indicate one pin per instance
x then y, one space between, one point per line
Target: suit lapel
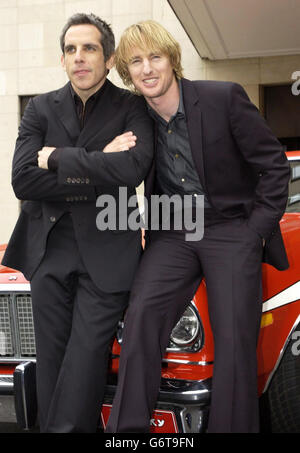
66 112
150 178
194 124
102 113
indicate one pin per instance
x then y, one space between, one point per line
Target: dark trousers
74 326
229 257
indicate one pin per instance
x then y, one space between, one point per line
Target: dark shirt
83 113
176 172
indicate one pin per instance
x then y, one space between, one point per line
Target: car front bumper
182 405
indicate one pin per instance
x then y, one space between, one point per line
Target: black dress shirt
176 172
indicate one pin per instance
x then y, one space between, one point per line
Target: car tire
284 392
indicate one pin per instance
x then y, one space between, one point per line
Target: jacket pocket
32 208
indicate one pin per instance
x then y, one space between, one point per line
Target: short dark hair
107 36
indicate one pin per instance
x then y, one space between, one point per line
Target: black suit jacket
240 163
84 173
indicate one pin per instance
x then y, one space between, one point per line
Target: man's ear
110 62
62 60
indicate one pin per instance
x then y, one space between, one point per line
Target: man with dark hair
211 142
86 139
107 38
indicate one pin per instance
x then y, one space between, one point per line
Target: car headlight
187 334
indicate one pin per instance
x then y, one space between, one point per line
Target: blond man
211 142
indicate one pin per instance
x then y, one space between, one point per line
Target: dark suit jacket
84 173
240 163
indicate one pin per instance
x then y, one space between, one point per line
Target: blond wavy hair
150 37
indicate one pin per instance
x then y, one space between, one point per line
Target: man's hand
43 156
121 143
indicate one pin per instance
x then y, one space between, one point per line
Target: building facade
30 64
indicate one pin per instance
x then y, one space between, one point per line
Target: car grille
16 326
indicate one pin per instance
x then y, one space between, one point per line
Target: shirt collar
91 98
181 104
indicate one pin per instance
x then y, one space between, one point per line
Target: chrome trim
194 419
187 362
7 379
6 384
14 327
174 392
185 393
21 368
281 354
13 360
180 361
293 158
11 287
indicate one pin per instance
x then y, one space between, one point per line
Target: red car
183 403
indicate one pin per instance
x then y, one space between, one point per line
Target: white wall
30 64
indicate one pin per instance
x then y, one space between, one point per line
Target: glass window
294 188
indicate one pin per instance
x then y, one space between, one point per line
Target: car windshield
293 204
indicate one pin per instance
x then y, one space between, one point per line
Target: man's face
151 74
83 60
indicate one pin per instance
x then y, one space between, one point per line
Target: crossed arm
124 161
121 143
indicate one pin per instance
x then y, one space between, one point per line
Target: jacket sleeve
28 180
264 153
126 168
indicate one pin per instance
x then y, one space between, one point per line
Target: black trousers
229 257
74 326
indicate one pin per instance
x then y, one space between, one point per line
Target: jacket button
52 219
